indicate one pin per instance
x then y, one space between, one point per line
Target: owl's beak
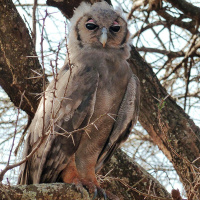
104 37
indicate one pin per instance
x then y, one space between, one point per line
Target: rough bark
54 191
16 67
167 123
67 7
124 174
124 171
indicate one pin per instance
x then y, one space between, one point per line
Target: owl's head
98 26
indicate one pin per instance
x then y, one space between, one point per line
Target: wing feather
126 118
69 105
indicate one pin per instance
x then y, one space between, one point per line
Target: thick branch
67 7
139 182
171 128
53 191
187 8
16 65
124 178
190 26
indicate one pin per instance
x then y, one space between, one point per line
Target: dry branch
187 8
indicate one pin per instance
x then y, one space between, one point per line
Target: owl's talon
104 195
95 194
79 187
99 192
102 191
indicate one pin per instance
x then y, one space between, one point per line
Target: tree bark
16 64
168 125
54 191
122 176
67 7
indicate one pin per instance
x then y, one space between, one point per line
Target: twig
2 187
139 192
18 112
188 54
34 23
43 69
23 135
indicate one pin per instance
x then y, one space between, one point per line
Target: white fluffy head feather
103 15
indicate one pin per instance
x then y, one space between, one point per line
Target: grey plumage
91 109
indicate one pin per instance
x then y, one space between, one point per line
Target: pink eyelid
115 23
91 21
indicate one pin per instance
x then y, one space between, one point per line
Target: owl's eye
115 28
91 26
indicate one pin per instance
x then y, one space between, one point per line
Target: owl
89 109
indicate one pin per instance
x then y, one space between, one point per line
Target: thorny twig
2 187
34 23
124 182
23 135
8 166
18 112
70 134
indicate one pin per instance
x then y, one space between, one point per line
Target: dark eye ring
115 28
91 26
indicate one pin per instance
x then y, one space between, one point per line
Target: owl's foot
99 192
95 189
92 188
78 185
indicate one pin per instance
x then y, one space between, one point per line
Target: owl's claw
95 189
103 193
79 187
100 191
95 194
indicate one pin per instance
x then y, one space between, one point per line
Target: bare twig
123 182
34 23
18 112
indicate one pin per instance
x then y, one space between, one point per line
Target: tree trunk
168 125
17 61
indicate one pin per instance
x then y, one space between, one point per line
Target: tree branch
53 191
190 26
16 49
67 7
121 176
171 54
172 125
187 8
